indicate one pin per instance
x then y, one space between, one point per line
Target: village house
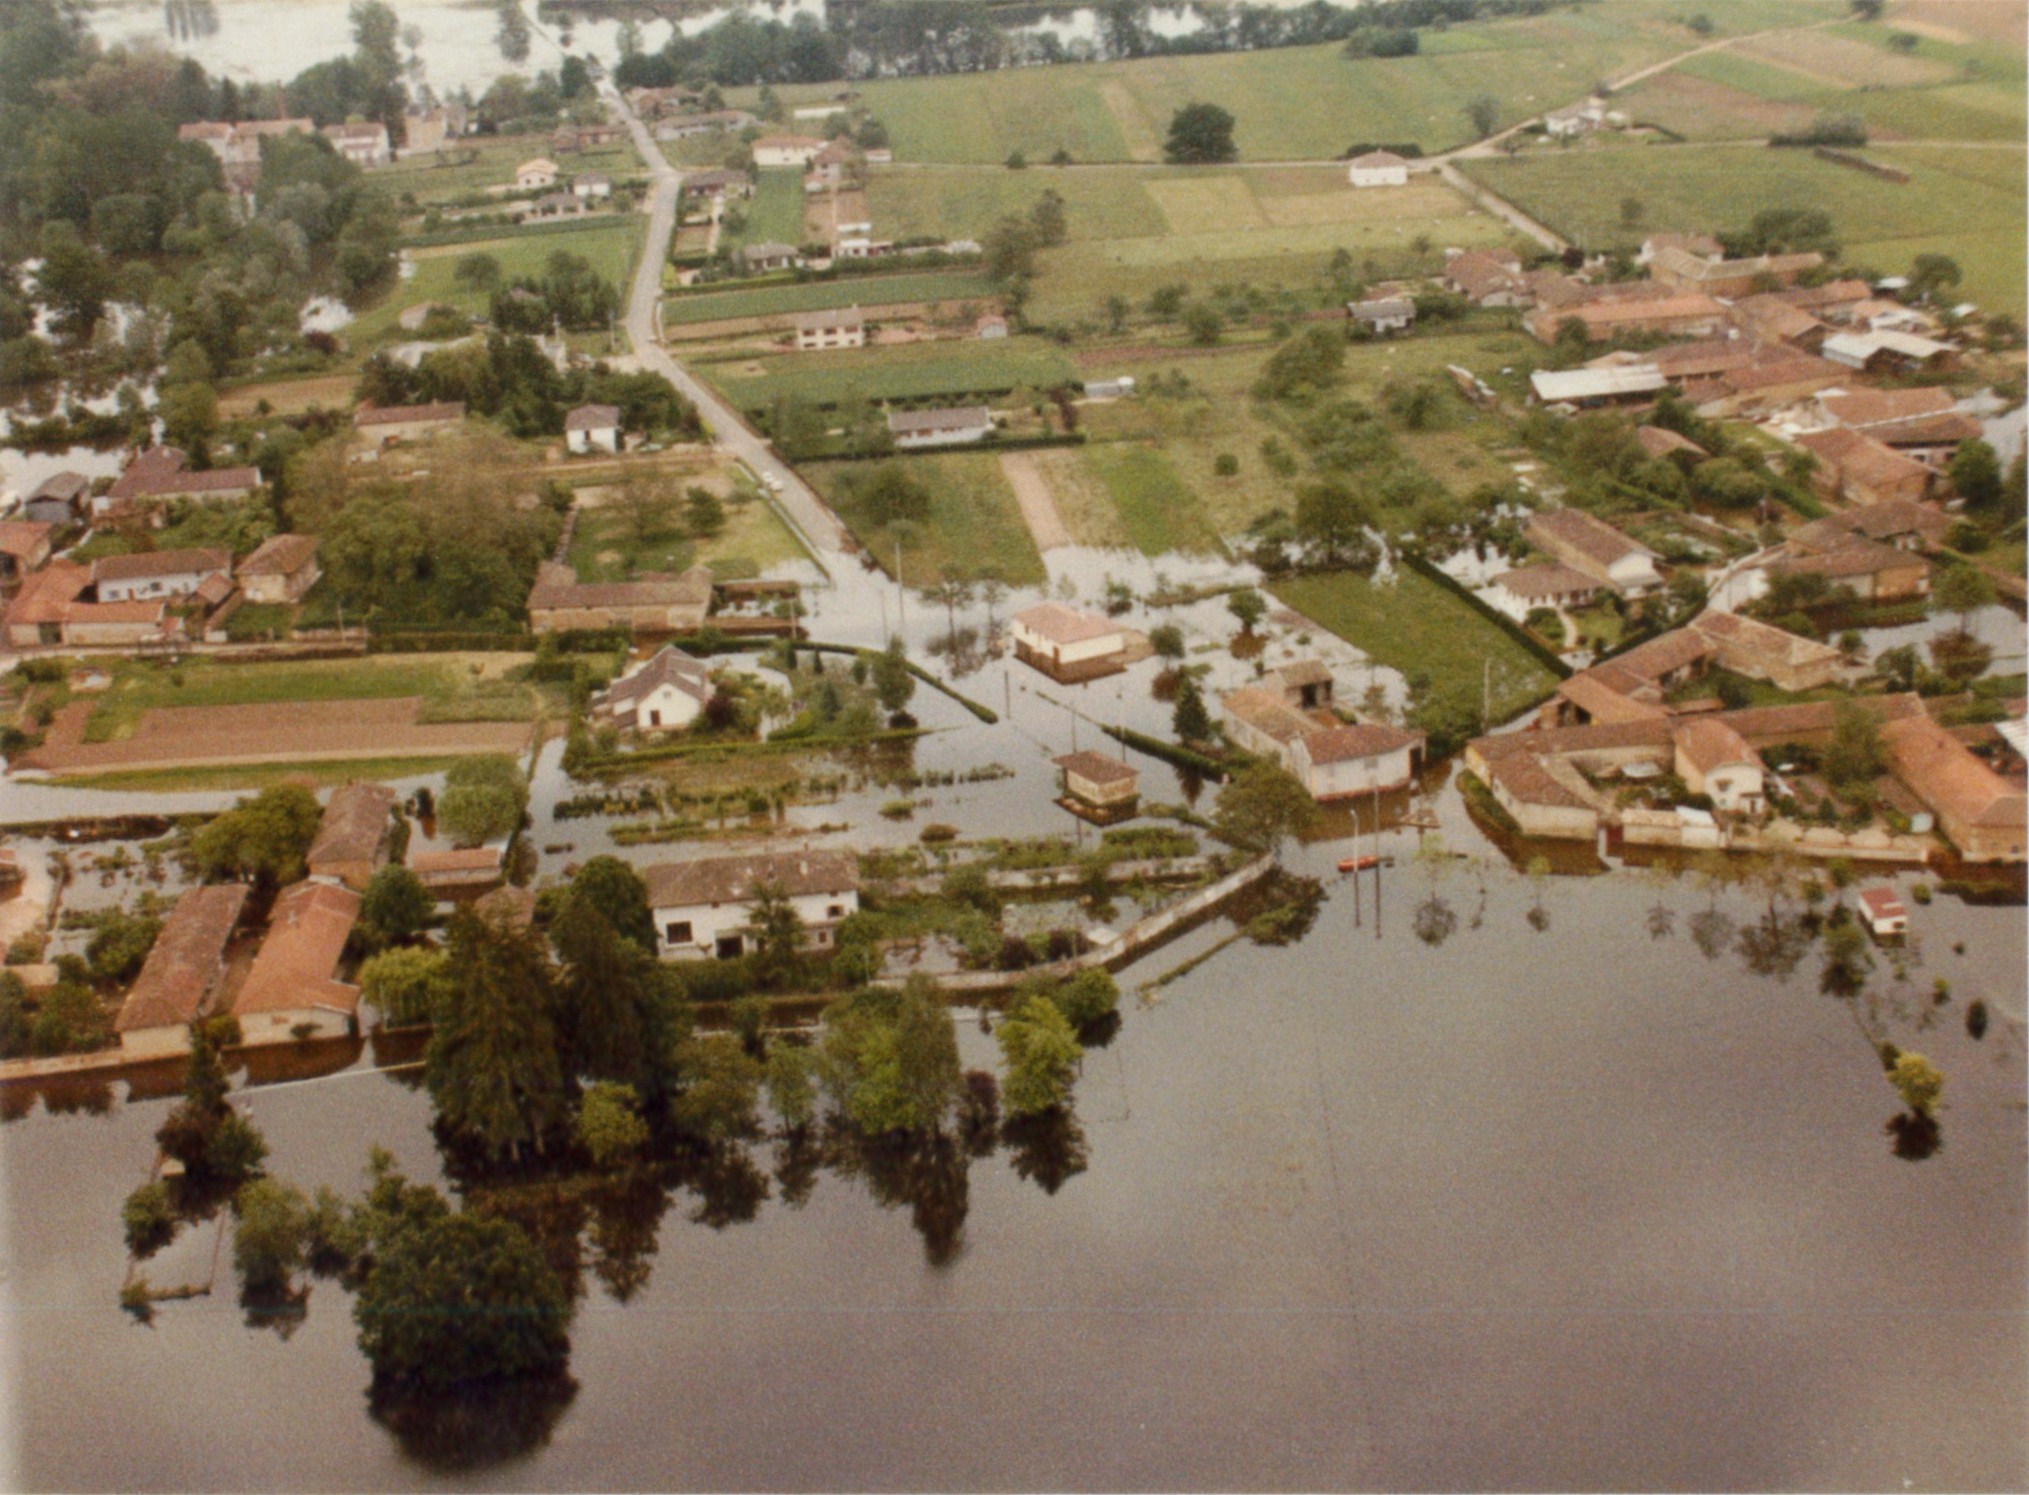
280 570
24 545
1883 350
292 991
1982 812
843 327
1683 314
1702 246
1330 759
1874 572
1838 302
758 259
239 145
1066 644
1383 315
719 183
533 176
712 122
1633 385
553 207
1573 120
1576 539
786 150
384 425
862 248
1922 424
58 499
592 428
1884 913
1729 278
179 980
593 186
457 872
1858 469
163 472
1893 521
147 575
569 140
1774 377
1098 786
355 835
1488 277
430 130
704 908
1761 651
958 426
1630 686
51 608
668 691
1548 586
831 167
1378 169
1773 319
365 145
1303 683
649 604
1714 760
990 326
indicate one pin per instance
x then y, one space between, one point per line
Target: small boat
1361 863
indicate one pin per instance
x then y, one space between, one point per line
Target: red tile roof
177 978
306 938
733 879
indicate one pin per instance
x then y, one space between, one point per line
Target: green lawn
1157 511
1098 204
258 775
1293 102
610 246
607 547
434 178
784 297
1412 624
914 372
974 524
449 689
775 212
1970 208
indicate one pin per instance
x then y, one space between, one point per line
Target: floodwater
1573 1207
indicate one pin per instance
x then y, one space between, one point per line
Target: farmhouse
1770 318
1762 651
760 258
591 428
1682 315
458 871
1631 686
162 472
292 991
1714 760
553 206
1383 315
280 570
786 150
533 176
179 980
24 545
1703 246
1548 586
385 424
711 122
1378 169
1330 759
1773 377
51 608
592 185
1922 424
354 835
1488 277
1855 467
843 327
1729 278
1893 521
560 603
670 690
1884 350
1303 683
1068 645
705 907
364 145
148 575
1982 812
429 130
240 144
957 426
1108 787
58 499
718 183
1576 539
1876 573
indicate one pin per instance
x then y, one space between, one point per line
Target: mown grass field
439 178
610 246
318 775
1970 208
775 211
607 546
1296 102
1158 512
454 687
974 525
790 296
918 371
1413 625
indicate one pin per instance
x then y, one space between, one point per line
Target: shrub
148 1219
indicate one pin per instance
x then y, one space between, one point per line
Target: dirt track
292 732
1038 503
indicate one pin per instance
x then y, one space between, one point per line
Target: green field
774 213
610 246
1414 625
790 296
434 179
607 544
918 371
1101 203
1295 102
1961 201
974 525
1158 513
446 683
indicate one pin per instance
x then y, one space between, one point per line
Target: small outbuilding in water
1884 912
1099 788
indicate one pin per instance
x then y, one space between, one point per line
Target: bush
149 1221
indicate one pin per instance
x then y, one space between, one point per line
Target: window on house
655 718
678 932
836 911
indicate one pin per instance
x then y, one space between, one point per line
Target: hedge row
995 443
984 713
481 233
1169 752
1537 649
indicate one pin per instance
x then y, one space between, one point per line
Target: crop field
1121 110
442 177
1158 513
608 546
784 297
610 246
1412 624
1100 203
974 525
1970 209
914 372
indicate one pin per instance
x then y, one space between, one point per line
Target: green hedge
1169 752
984 713
1480 800
1542 653
992 443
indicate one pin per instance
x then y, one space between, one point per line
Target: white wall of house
1350 776
1091 648
598 438
831 337
279 1027
777 155
143 588
1734 787
1634 574
693 932
952 436
170 1038
1378 176
665 708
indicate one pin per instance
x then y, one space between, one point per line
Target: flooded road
1575 1207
